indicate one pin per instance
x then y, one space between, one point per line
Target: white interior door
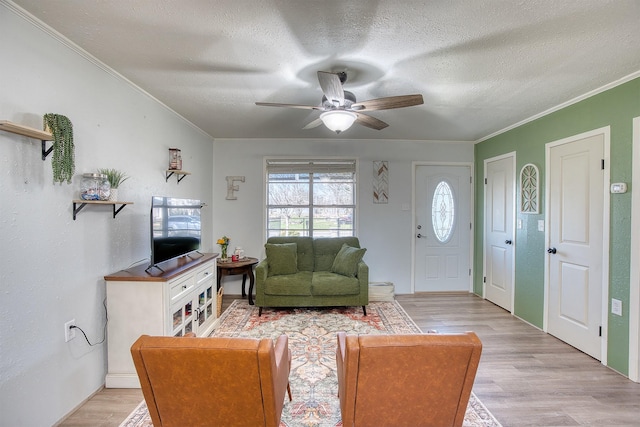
634 291
575 193
442 236
498 230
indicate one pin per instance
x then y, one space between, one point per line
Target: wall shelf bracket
78 205
45 152
78 209
179 174
117 211
29 132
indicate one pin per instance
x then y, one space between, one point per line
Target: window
311 197
443 212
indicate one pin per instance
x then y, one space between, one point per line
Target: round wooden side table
244 267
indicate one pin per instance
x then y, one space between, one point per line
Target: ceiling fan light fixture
338 120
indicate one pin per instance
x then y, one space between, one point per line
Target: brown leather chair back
213 381
406 380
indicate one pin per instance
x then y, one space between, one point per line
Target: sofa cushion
325 283
346 261
282 258
291 284
305 249
326 248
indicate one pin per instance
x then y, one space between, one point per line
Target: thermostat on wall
619 187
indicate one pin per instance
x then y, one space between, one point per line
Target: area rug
312 341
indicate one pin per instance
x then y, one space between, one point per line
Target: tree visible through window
311 197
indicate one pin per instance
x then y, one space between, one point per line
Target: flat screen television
175 228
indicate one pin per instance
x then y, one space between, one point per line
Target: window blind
276 166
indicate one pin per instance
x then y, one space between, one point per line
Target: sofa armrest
363 280
261 273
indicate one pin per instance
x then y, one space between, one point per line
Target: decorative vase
113 195
94 186
224 252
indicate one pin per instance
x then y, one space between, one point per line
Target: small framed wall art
380 182
529 189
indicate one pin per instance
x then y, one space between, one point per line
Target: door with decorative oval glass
443 231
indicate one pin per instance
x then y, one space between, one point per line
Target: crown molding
575 100
51 32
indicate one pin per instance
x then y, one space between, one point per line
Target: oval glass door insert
443 212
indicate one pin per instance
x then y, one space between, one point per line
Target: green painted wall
615 108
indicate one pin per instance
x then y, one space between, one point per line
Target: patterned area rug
312 341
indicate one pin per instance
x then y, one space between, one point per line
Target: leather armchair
406 380
213 381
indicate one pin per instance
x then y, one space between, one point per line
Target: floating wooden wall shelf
179 174
84 203
42 135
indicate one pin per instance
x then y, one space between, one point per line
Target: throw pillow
347 259
282 258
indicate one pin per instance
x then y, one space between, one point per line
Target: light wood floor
525 378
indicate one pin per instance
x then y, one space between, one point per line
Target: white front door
498 230
442 236
575 207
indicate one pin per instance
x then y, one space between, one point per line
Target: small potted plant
115 178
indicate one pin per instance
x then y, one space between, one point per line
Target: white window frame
310 165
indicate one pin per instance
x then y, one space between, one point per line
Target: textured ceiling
481 65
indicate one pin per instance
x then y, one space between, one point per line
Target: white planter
381 291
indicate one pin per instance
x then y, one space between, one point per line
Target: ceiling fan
340 108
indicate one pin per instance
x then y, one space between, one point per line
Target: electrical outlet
616 307
69 332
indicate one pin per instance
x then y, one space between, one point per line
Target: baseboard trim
122 381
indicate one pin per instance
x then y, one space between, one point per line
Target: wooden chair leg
364 309
259 311
289 391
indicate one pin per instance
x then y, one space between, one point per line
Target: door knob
419 236
419 227
508 242
551 250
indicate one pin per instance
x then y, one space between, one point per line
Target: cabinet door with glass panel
183 317
193 303
206 310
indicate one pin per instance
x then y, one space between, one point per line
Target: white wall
384 229
52 267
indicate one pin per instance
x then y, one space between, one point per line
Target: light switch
616 307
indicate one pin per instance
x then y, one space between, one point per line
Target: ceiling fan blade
332 87
304 107
314 124
370 122
388 103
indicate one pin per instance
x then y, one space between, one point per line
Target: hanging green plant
63 159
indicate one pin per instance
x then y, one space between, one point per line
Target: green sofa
308 272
